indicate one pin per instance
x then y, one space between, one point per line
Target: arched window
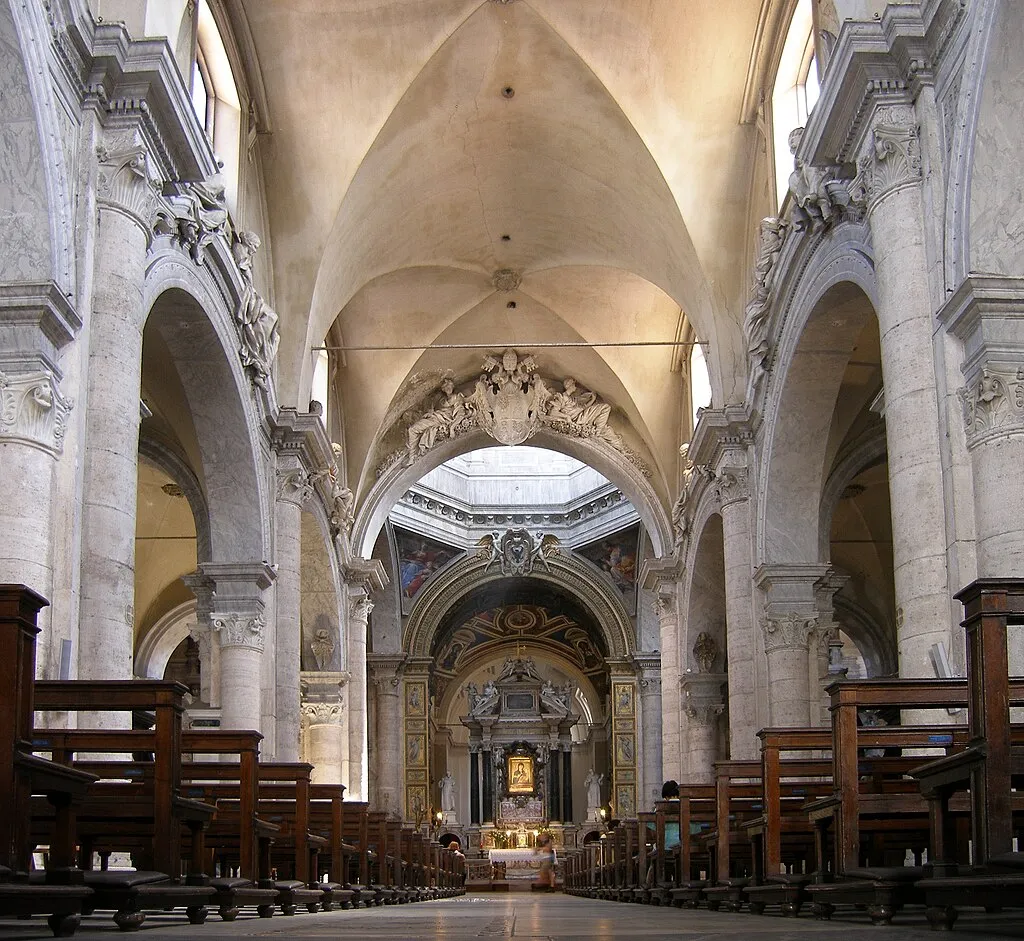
321 376
700 381
795 92
215 99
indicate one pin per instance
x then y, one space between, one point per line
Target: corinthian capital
240 630
361 609
32 410
126 181
891 158
294 486
732 486
787 631
322 713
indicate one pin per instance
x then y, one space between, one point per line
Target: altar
518 863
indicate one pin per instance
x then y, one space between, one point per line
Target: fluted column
889 182
294 488
37 321
126 197
359 608
323 711
386 674
649 676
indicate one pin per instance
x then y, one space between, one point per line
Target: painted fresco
616 556
418 559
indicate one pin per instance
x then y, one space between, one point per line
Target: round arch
567 573
162 639
627 476
194 323
828 311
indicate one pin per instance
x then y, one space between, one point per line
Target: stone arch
627 476
196 327
162 639
37 243
861 454
828 309
705 601
567 573
177 468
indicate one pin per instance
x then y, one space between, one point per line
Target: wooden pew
989 768
888 808
22 774
151 802
696 811
738 798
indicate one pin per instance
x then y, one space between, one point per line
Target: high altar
520 737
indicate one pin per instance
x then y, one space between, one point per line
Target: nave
541 917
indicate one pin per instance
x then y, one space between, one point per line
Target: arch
705 609
860 454
828 309
616 467
567 573
877 648
36 242
176 467
162 639
196 327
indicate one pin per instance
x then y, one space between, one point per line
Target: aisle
533 917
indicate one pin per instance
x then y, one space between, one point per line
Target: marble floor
536 917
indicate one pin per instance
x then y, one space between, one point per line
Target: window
215 99
320 379
795 93
700 381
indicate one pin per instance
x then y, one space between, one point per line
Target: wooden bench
63 897
989 768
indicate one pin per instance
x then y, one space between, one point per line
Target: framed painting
520 774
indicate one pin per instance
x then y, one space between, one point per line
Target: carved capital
732 486
360 611
240 630
787 631
993 404
322 713
294 486
126 182
32 410
704 713
891 158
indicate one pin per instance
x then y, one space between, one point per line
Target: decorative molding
891 159
360 611
126 183
516 551
33 411
993 404
294 486
322 713
506 280
511 402
240 630
193 215
787 631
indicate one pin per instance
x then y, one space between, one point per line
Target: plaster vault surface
419 148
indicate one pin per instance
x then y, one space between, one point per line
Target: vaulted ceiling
410 137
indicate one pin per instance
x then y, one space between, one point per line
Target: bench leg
64 926
197 914
881 913
265 911
941 917
823 910
128 920
228 912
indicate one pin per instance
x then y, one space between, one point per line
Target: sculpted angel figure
486 701
582 410
755 322
261 334
436 423
812 205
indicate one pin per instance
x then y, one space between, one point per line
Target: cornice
36 321
302 435
139 80
719 430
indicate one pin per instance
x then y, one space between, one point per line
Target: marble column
824 649
126 197
237 618
889 182
386 674
704 704
790 621
323 711
741 645
649 677
36 321
294 488
359 608
665 608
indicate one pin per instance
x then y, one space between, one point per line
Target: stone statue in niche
447 785
592 782
705 650
322 646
